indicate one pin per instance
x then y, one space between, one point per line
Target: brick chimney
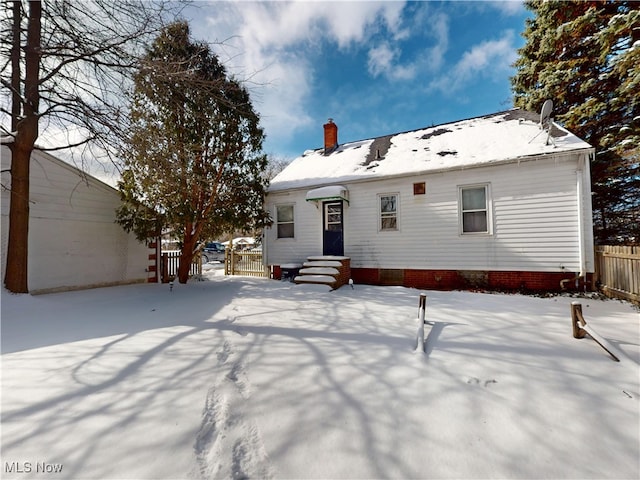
330 136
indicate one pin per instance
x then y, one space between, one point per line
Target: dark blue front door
332 237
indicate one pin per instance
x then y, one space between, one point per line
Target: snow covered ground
254 378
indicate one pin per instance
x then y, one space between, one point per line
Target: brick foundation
469 279
345 273
367 276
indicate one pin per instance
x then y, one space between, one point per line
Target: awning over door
330 192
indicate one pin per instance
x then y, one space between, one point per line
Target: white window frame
488 209
397 212
327 215
292 222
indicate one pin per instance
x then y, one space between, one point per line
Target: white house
499 201
74 241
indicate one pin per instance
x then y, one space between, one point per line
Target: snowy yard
254 378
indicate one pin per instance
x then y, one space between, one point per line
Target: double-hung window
474 209
284 221
388 211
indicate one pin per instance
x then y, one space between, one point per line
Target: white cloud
385 59
353 21
491 58
266 43
273 44
275 25
439 28
382 60
508 7
281 100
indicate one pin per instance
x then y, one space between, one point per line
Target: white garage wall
74 241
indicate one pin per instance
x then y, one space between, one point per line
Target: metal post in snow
422 307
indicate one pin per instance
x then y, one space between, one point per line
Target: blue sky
374 67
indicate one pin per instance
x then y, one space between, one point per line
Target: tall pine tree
195 163
585 56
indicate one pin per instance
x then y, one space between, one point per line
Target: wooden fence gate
170 262
245 262
618 271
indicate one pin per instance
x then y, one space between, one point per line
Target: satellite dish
545 113
546 121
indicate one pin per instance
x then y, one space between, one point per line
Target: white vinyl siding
308 230
532 216
532 213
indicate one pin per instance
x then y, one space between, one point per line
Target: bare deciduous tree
65 69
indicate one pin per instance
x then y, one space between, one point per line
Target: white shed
74 241
490 202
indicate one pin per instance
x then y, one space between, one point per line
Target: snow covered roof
500 137
241 241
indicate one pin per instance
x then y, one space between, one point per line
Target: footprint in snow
239 377
224 354
477 381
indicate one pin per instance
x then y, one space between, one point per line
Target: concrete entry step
330 270
326 263
319 258
319 271
324 279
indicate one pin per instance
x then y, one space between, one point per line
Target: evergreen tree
194 165
585 56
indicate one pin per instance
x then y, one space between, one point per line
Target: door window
333 217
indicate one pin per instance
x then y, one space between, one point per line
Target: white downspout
583 266
580 211
581 239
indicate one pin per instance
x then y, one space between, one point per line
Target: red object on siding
277 272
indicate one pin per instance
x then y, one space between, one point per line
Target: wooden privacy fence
245 262
170 262
618 271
